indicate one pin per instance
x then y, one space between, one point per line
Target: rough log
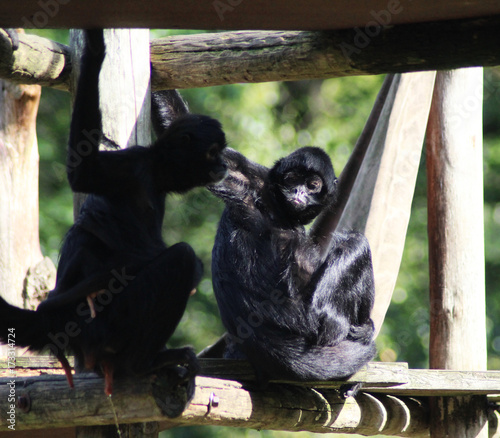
386 406
216 402
456 246
25 275
281 406
37 61
45 402
293 408
233 57
246 57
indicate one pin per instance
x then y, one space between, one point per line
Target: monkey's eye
212 152
291 179
314 184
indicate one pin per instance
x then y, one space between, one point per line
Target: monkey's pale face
301 190
301 195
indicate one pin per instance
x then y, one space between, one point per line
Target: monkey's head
301 185
188 153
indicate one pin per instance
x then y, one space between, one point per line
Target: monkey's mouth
299 201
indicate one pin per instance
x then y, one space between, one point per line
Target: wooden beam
374 374
234 57
48 402
387 405
247 57
235 14
37 61
52 404
19 240
456 246
381 377
126 120
430 383
292 408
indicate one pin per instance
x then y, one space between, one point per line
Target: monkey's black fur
295 308
113 258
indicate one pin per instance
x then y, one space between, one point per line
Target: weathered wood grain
254 56
250 56
380 201
456 246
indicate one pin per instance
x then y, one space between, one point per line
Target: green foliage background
265 122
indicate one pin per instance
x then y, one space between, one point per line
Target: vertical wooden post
19 244
126 110
124 88
456 246
21 262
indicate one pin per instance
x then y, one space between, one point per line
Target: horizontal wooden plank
282 405
236 14
387 377
431 383
374 374
33 362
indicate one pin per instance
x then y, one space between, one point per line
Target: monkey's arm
90 170
86 122
166 106
244 180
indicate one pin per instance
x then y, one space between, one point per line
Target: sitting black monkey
295 306
120 292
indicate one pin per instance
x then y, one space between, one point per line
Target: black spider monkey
120 292
296 304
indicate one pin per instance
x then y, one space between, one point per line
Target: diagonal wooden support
380 201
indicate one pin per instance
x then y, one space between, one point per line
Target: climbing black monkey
120 292
295 304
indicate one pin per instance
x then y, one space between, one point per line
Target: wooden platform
227 395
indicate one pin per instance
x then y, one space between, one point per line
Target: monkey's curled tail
337 362
22 328
289 360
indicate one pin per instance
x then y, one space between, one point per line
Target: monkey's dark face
302 184
190 153
301 194
216 167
